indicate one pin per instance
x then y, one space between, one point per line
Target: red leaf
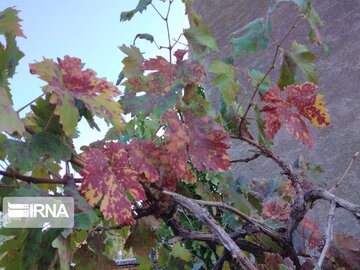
107 176
67 82
208 143
198 138
344 253
275 211
143 157
179 54
301 98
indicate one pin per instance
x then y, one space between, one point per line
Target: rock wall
339 82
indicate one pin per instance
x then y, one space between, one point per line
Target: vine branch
203 215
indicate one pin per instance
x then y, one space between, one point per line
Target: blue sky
90 30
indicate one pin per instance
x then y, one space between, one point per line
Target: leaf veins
301 98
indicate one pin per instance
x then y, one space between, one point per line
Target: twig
220 262
338 182
203 215
168 31
157 11
246 160
23 107
272 66
8 186
329 234
37 180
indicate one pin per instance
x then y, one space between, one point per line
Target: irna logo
34 212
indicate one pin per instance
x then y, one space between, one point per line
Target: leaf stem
338 182
34 100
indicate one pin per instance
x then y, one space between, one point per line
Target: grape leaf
151 102
300 56
176 146
162 70
141 6
146 227
274 261
204 140
10 57
160 163
180 252
67 82
133 69
9 119
23 156
107 179
199 35
208 143
305 101
253 38
225 80
10 23
143 157
287 71
344 253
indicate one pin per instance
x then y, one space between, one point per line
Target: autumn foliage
159 184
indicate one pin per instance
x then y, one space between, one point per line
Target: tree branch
329 234
36 180
317 193
203 215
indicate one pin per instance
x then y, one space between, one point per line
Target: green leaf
146 227
180 252
253 37
3 138
23 156
287 72
9 119
150 103
28 190
63 247
85 216
10 57
304 59
133 63
225 80
199 35
141 6
10 23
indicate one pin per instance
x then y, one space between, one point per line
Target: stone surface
339 82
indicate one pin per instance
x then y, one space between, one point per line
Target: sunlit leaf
10 22
9 119
141 6
68 82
